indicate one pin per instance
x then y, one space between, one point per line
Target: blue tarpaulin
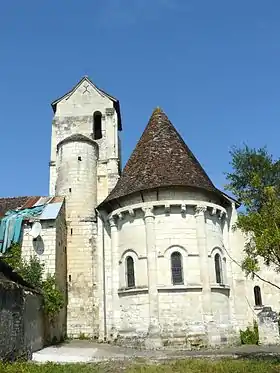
10 225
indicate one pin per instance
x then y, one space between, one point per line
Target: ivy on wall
32 271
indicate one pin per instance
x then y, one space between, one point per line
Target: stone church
145 256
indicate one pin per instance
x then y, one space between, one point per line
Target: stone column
153 338
115 278
201 236
113 160
228 273
110 135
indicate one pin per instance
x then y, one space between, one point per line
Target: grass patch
180 366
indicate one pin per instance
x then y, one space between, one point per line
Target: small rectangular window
70 190
97 125
79 158
258 296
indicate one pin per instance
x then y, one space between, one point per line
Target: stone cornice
172 289
200 209
148 208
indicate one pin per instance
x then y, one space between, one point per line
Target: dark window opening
130 277
71 231
79 158
218 269
258 296
70 190
97 125
176 269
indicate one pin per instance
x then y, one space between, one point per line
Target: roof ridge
113 99
10 197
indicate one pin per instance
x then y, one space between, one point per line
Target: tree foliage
32 271
255 181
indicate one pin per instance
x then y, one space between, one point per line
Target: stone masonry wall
84 174
34 321
200 307
244 303
21 321
77 180
150 232
50 248
74 115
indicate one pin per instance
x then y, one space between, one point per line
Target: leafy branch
255 181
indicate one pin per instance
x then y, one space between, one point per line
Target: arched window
258 296
97 125
218 269
176 268
130 277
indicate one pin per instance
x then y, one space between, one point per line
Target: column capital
148 212
131 212
221 214
112 222
183 208
213 211
200 210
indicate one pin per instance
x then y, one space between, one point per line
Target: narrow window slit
258 296
176 268
97 125
218 269
130 276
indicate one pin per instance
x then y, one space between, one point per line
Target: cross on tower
86 88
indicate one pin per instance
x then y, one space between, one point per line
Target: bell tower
84 167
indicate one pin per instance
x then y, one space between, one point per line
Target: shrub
32 271
250 336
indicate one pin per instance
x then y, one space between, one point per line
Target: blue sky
213 66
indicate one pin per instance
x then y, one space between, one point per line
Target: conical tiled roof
161 159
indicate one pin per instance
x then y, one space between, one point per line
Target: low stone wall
33 321
21 321
268 324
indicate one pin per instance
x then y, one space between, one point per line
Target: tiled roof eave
111 199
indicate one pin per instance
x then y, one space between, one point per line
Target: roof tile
161 158
11 203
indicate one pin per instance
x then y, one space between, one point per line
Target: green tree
255 181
